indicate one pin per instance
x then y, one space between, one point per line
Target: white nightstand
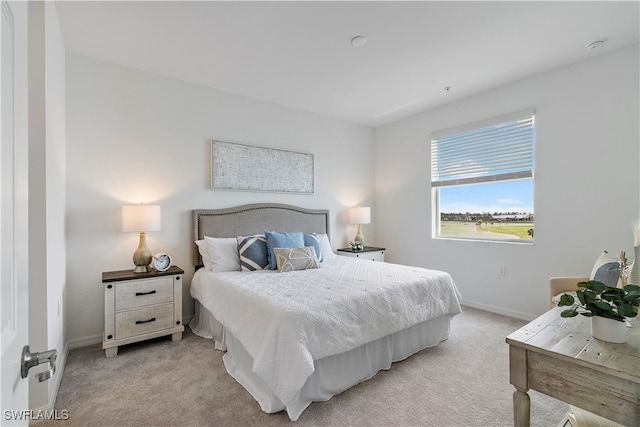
369 252
140 306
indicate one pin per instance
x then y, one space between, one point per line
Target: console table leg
521 408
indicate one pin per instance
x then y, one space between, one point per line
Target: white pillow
204 248
325 248
223 252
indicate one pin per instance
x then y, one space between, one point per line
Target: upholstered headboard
255 219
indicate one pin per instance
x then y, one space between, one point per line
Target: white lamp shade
360 215
141 218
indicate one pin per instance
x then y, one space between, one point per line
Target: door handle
29 360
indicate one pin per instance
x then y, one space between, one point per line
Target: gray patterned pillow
253 252
291 259
606 270
608 274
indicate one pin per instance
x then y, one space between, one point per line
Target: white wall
586 183
46 195
138 137
55 126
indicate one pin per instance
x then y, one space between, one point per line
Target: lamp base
359 237
142 256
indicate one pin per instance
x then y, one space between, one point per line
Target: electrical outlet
502 270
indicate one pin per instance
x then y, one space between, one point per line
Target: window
482 179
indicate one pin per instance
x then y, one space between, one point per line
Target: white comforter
287 320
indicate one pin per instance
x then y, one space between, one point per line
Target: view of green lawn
496 231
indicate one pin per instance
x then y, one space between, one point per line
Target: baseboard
187 319
58 376
499 310
47 412
85 341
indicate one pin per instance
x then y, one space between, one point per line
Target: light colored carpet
462 382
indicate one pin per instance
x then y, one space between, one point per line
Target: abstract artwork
243 167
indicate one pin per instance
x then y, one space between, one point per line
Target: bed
297 337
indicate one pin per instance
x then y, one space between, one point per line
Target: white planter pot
608 329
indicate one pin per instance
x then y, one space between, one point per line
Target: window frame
527 175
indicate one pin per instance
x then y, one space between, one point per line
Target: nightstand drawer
369 252
136 322
372 256
144 292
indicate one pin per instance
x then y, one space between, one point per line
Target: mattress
287 322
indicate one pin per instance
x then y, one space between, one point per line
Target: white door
14 288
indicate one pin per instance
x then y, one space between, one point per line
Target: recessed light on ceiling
596 44
358 41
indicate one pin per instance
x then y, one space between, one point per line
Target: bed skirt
205 325
332 375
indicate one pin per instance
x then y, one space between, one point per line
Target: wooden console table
560 358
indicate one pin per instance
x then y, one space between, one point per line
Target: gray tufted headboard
255 219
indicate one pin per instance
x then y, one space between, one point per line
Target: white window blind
494 150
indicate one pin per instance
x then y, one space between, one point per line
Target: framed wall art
243 167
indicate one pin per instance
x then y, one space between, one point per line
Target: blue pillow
276 239
312 240
252 251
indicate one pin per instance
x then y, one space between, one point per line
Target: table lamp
360 216
141 218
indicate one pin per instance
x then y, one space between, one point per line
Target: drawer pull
139 322
138 294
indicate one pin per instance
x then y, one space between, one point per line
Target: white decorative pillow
204 248
252 251
606 270
223 252
292 259
325 247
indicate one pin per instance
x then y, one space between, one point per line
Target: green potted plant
608 308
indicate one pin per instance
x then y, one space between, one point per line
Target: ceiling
298 53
